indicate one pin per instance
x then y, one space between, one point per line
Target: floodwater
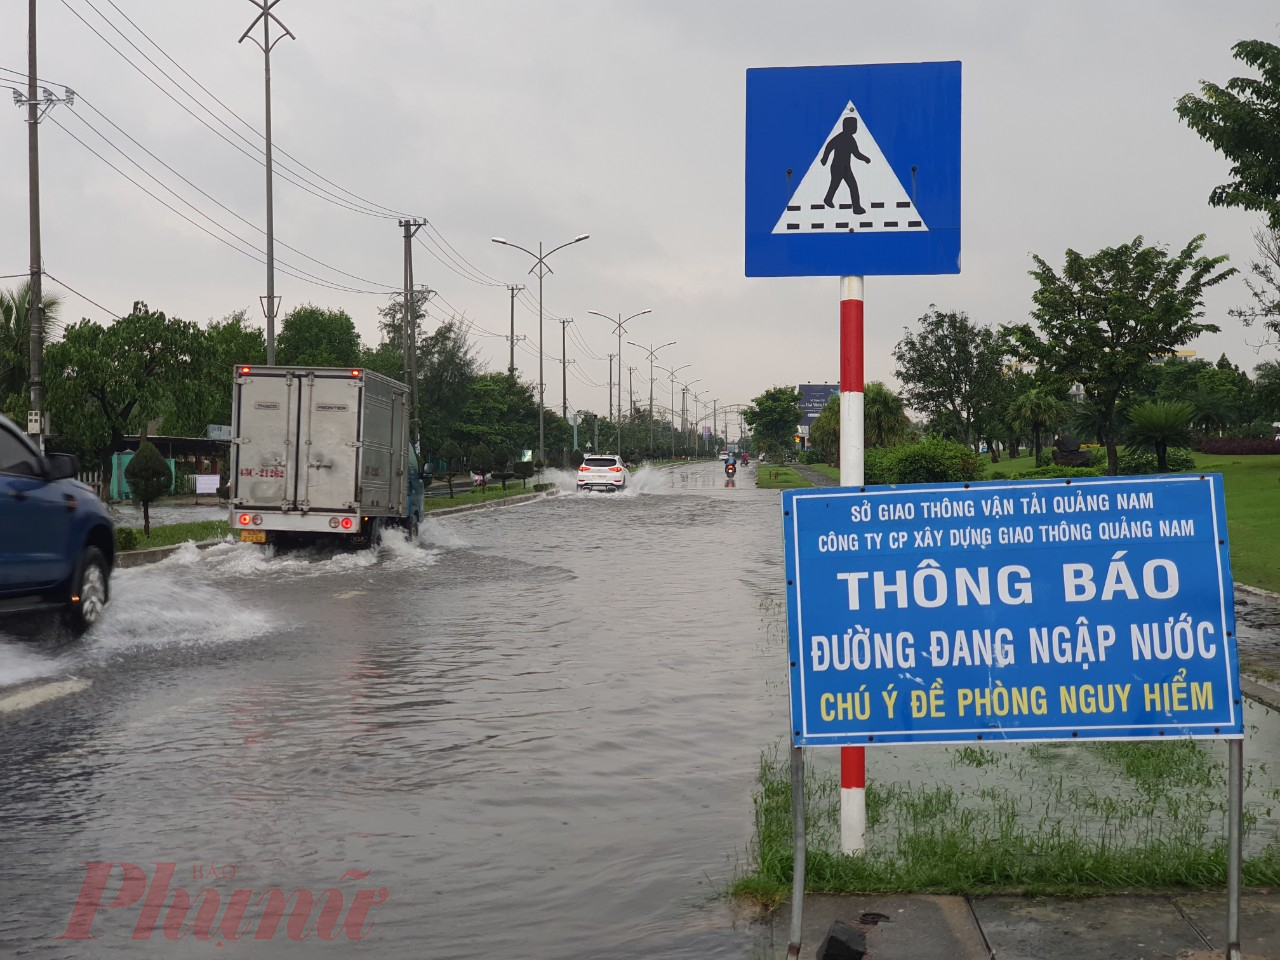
538 728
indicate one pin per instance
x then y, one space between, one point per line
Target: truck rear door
266 439
329 455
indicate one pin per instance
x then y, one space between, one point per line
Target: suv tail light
584 469
615 469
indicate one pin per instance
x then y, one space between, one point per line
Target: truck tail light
245 519
356 373
246 370
346 523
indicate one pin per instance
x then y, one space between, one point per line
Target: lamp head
497 240
579 237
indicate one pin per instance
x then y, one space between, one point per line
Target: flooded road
535 733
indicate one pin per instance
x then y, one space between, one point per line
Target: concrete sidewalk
1189 926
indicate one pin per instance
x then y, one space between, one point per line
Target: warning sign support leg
853 779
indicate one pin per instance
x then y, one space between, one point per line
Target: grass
1252 487
464 496
771 476
167 535
1145 816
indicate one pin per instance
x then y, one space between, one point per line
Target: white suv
602 471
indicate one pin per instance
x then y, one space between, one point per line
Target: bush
1247 446
539 487
878 465
1053 472
1139 462
127 538
812 457
935 461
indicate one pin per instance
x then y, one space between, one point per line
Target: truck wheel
411 528
90 590
367 541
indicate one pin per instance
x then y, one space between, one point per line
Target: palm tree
15 343
884 416
1158 425
1034 410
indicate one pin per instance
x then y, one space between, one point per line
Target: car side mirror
61 466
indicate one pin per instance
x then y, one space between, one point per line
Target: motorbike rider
730 465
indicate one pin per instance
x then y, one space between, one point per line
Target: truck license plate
253 536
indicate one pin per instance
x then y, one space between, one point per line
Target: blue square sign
853 170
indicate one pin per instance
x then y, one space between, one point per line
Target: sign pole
853 760
1235 832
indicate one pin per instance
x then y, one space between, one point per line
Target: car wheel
90 591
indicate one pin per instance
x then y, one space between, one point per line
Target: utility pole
631 390
564 367
270 303
36 109
514 288
409 331
611 356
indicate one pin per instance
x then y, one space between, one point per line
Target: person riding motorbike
730 466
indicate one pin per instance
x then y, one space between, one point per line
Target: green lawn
466 495
174 533
1252 486
771 476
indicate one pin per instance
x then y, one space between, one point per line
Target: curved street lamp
540 266
620 331
651 351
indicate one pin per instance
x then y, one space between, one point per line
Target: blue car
57 541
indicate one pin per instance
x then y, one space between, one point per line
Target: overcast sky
624 120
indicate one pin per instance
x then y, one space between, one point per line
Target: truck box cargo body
320 452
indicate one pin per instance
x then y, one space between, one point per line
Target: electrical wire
246 123
284 172
206 195
288 269
63 283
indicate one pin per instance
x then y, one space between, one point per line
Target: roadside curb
1257 592
503 502
139 558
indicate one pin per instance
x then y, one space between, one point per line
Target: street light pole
651 351
672 373
684 404
618 329
540 266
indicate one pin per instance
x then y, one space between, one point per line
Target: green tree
1267 389
201 391
953 367
480 461
105 382
1102 320
454 462
885 415
824 432
1242 121
149 478
501 412
773 417
1158 425
312 336
1034 411
15 347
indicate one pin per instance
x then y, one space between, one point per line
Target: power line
286 174
371 203
63 283
297 274
203 193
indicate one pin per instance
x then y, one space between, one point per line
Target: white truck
321 454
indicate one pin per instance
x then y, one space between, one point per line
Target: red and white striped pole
853 760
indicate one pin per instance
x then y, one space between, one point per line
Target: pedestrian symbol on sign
845 148
877 200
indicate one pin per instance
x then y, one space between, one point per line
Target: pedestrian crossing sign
853 170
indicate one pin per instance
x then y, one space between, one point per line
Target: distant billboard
813 397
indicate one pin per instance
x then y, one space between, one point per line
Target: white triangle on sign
886 206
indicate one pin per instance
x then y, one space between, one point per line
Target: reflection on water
537 726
